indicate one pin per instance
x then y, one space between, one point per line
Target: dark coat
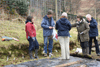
82 27
63 26
93 28
45 25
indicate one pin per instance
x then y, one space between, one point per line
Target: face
49 16
89 19
32 19
78 19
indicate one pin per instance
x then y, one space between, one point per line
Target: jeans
33 44
50 46
96 45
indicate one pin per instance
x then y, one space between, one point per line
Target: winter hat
49 12
88 16
64 14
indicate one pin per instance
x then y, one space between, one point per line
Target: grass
12 29
19 60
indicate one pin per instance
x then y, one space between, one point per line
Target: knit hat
64 14
49 12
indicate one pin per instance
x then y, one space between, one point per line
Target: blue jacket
63 26
45 25
93 28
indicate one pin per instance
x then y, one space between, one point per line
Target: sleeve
56 26
43 25
87 28
29 30
69 26
53 23
94 24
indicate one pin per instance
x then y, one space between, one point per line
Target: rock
10 65
83 66
52 62
21 66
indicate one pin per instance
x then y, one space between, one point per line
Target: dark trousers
96 44
33 44
85 47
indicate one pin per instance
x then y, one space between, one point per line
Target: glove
77 22
81 33
33 38
28 37
96 37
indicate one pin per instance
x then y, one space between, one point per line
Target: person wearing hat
83 33
48 24
63 26
93 33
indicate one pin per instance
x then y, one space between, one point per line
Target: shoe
43 52
98 54
37 57
45 55
67 59
50 54
31 55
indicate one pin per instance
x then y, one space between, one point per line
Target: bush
21 6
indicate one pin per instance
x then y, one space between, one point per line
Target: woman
83 34
63 26
31 36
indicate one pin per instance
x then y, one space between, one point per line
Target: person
31 36
48 24
93 33
83 33
63 26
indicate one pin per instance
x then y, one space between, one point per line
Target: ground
55 62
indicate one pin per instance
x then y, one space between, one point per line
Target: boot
36 53
31 55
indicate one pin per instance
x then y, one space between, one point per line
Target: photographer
83 34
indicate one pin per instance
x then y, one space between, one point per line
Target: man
93 33
48 25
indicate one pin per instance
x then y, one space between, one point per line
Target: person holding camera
83 33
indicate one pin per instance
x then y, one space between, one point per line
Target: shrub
21 6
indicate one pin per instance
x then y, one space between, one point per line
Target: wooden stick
68 64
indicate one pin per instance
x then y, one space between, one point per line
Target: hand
89 23
28 37
33 38
77 22
50 27
96 37
81 33
53 27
